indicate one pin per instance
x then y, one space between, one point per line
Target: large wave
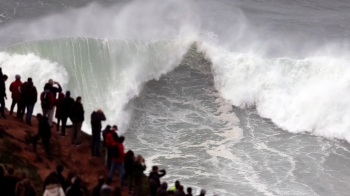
106 73
299 95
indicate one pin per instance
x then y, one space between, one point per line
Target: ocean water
237 97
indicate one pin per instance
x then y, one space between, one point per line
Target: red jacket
14 88
110 140
51 99
121 156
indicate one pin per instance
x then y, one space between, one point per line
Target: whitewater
239 97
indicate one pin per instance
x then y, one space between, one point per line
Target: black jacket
96 119
44 130
66 106
29 94
97 190
2 86
9 185
74 191
154 178
77 112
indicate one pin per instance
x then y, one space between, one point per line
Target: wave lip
298 95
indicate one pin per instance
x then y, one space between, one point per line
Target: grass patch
8 157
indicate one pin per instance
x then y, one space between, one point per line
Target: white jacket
54 190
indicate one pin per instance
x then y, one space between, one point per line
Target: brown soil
75 159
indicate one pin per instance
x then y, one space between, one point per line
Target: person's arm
103 117
162 173
59 89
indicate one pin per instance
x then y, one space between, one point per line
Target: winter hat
203 191
18 77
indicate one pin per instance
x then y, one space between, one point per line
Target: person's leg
58 125
14 102
98 144
20 109
93 143
50 115
78 133
2 108
64 124
120 166
112 170
30 109
74 128
109 158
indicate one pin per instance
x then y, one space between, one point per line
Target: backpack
115 153
45 102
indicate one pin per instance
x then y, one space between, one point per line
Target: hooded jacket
53 190
14 88
120 158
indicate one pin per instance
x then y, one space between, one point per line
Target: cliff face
16 150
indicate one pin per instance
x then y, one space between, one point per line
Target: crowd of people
130 168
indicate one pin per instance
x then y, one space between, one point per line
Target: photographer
154 179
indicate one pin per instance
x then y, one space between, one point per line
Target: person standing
44 132
16 95
29 95
139 168
118 159
3 95
96 125
47 102
58 114
65 107
54 90
154 179
77 119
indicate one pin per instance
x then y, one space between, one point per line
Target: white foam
30 65
299 95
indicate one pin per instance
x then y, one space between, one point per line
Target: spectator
44 132
162 190
3 95
97 189
111 140
106 189
16 96
58 175
154 179
10 182
58 114
29 95
203 192
47 103
77 119
54 90
175 187
66 107
96 126
179 191
129 169
139 168
118 158
189 191
75 189
53 187
25 186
